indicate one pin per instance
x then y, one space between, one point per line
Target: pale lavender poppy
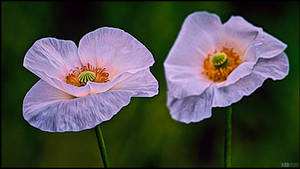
82 87
214 65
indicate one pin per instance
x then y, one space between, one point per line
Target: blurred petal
52 110
184 81
196 39
142 83
275 68
52 58
191 108
115 50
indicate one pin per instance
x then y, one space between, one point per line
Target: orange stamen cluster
220 74
100 75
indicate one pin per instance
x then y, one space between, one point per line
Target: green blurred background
143 134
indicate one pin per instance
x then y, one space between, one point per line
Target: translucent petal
275 68
241 33
254 43
52 58
196 39
52 110
142 83
241 71
184 81
183 66
115 50
191 108
270 46
263 46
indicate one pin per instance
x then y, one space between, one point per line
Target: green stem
227 148
101 146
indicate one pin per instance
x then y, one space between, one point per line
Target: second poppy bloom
214 65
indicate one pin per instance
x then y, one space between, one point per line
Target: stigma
219 59
80 76
86 76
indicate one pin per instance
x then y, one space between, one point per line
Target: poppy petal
264 45
183 65
52 110
196 38
51 57
191 108
183 81
275 68
115 50
142 83
258 45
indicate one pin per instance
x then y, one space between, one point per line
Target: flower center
219 65
219 59
80 76
86 76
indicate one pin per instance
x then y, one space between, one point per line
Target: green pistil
86 76
219 60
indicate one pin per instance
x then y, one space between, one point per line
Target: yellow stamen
80 76
219 65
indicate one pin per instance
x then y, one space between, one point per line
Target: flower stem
101 146
227 148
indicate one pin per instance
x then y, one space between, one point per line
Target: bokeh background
143 134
